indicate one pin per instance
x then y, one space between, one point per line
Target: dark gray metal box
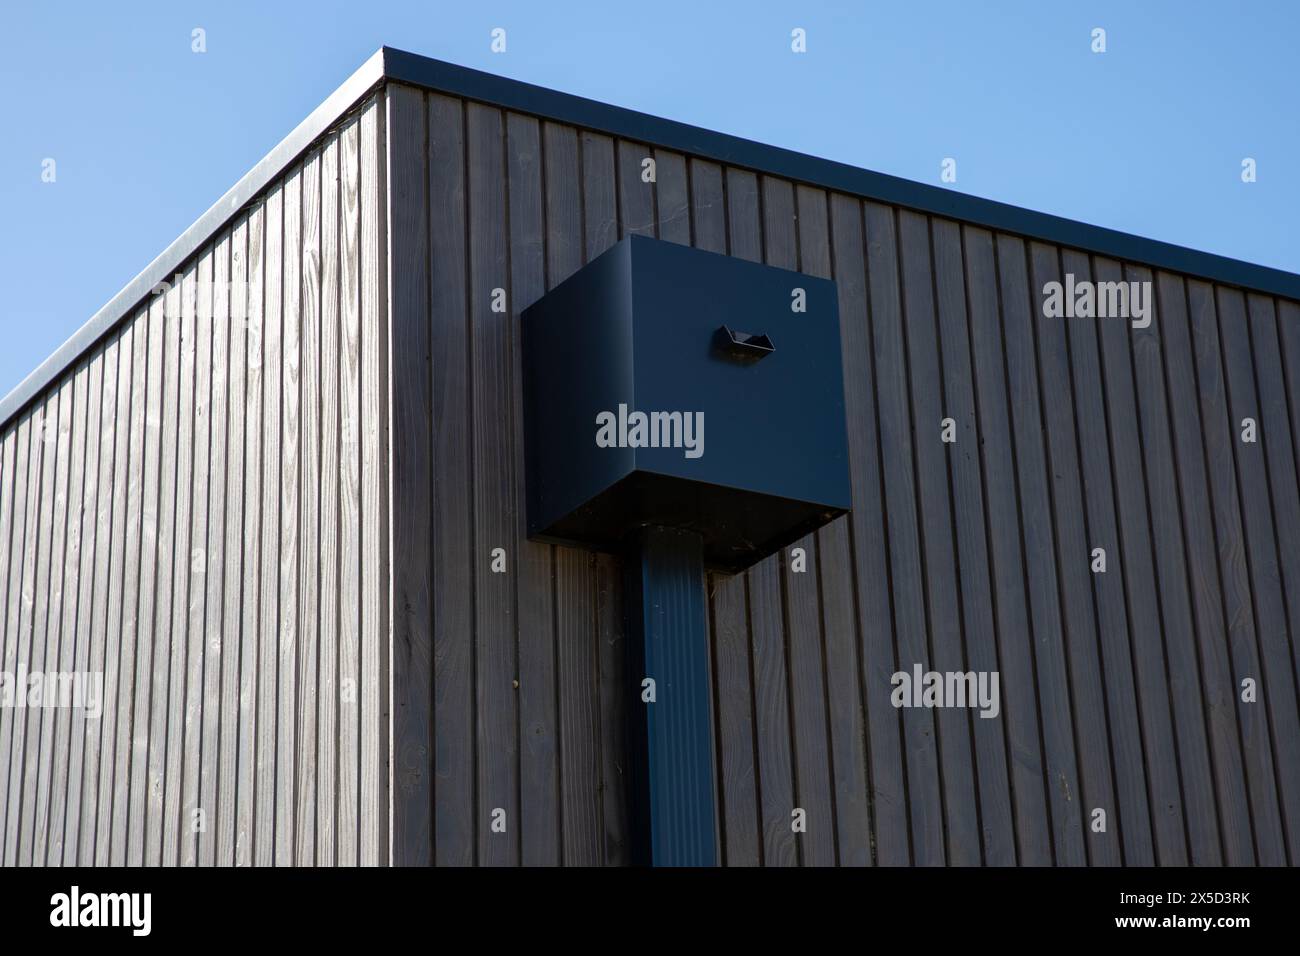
675 333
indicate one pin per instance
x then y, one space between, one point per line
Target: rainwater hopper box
669 386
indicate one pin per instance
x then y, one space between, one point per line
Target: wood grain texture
25 795
1277 686
1181 660
1073 564
184 521
287 705
69 744
19 643
1197 527
1137 567
496 556
183 818
26 494
312 602
268 506
225 838
886 788
1055 698
1218 434
1132 811
181 559
412 702
1026 743
455 823
376 624
538 739
40 757
896 438
9 543
840 664
991 741
946 651
327 666
212 639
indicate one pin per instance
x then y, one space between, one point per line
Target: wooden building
266 500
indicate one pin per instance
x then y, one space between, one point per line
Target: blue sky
1147 138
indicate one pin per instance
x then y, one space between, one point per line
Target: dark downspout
671 781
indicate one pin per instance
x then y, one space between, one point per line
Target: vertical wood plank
268 576
350 425
1276 682
57 740
251 542
1132 810
613 702
1200 814
10 547
286 682
942 612
672 197
192 568
833 565
143 588
1073 556
1005 555
893 404
636 198
1218 434
144 826
52 822
599 182
18 648
1277 420
213 652
176 646
26 760
312 603
496 648
538 770
376 624
230 734
26 494
708 206
1054 691
412 479
67 823
1138 565
40 750
1202 572
575 613
327 693
886 773
969 541
1275 423
111 519
454 558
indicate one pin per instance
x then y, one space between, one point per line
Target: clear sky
1147 137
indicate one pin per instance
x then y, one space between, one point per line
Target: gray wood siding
1119 690
266 507
198 511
